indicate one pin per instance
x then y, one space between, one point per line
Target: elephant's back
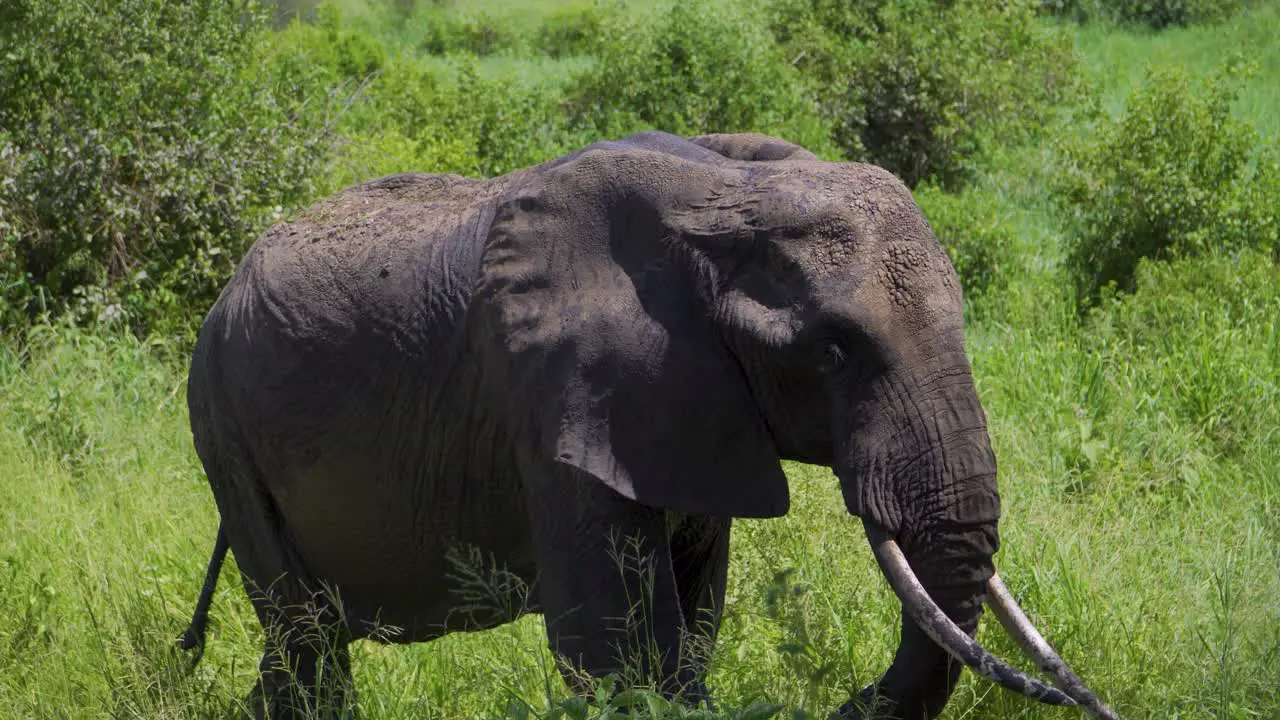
380 254
335 318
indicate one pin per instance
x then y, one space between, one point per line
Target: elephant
616 348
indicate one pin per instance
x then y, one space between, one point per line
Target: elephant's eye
833 356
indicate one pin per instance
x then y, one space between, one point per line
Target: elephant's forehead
887 265
861 200
917 279
838 232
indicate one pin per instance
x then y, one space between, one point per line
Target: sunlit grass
1117 58
1139 532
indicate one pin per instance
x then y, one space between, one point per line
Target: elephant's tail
193 638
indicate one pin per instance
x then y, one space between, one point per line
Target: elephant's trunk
938 625
941 589
924 618
921 474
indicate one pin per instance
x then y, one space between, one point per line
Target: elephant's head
683 315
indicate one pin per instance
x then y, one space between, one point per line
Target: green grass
1117 58
518 22
1150 561
1140 474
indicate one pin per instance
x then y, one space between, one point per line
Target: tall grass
1118 58
1139 474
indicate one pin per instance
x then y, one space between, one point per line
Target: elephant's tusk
943 631
1017 624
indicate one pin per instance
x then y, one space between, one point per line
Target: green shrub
973 228
516 124
408 114
1213 323
143 150
919 87
500 124
1156 14
691 69
574 30
313 56
1173 176
439 28
386 110
478 33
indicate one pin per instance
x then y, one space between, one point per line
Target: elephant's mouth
1069 690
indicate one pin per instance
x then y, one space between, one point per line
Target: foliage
1214 320
1176 175
974 229
695 68
390 121
430 27
574 30
442 31
920 87
407 115
139 201
1156 14
143 149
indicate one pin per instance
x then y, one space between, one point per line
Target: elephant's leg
305 660
606 585
700 560
305 670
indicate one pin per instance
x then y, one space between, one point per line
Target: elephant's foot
305 682
289 701
870 704
687 688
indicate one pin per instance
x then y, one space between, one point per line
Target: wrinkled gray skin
622 343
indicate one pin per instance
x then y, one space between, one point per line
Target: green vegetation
140 150
1155 14
974 228
143 144
920 88
1173 176
717 58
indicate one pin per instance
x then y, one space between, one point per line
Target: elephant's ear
752 147
607 342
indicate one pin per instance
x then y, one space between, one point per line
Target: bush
975 232
413 115
504 124
571 31
919 87
1173 176
445 32
1156 14
1213 323
143 151
384 110
691 69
